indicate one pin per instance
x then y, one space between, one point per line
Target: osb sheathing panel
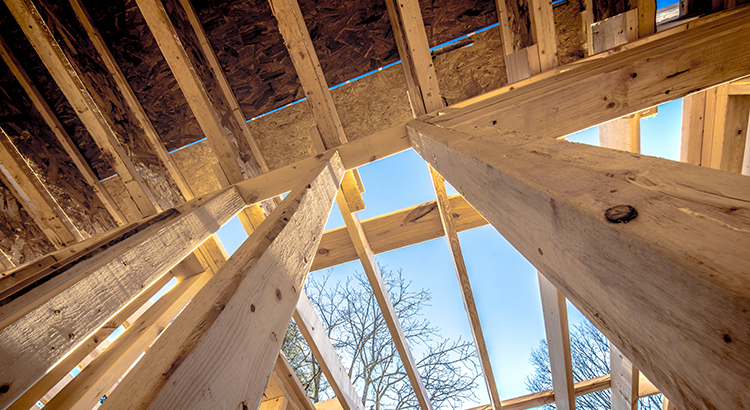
134 48
365 106
446 20
20 238
38 145
36 70
568 31
195 163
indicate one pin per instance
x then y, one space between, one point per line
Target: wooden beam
451 234
515 25
96 379
543 32
297 39
111 276
75 91
646 17
648 74
62 368
624 380
414 50
287 379
416 224
691 137
366 256
33 195
62 136
729 132
226 89
140 118
312 329
222 347
741 87
667 405
555 313
571 196
350 187
223 139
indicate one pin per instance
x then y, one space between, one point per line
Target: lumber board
82 189
317 339
117 273
448 222
297 39
729 131
685 65
625 377
395 230
77 93
21 240
81 352
555 311
254 294
691 135
287 379
372 270
688 239
543 31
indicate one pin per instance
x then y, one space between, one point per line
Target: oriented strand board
20 238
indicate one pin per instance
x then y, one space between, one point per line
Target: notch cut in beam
568 194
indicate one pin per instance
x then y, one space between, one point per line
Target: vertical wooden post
555 313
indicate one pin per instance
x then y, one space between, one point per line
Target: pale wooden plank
62 136
555 313
367 257
739 88
574 98
414 50
95 121
33 195
730 131
140 118
625 378
287 379
561 193
667 405
691 136
107 279
522 64
614 31
223 141
226 89
350 188
646 17
305 59
543 30
42 387
95 380
222 347
312 329
395 230
451 234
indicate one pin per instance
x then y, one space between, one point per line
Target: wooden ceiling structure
125 146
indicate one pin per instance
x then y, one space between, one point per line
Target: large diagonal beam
656 258
76 92
221 350
651 71
109 276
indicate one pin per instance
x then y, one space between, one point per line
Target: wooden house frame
653 252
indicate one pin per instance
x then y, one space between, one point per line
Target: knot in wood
621 214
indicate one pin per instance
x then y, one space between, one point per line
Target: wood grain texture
372 270
682 220
624 389
254 294
109 279
21 241
555 311
395 230
451 234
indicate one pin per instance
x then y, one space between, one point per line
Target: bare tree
355 324
589 349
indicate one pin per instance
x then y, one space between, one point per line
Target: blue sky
504 283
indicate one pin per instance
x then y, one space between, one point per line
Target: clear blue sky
504 283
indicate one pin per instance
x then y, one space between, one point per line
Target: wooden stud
395 230
62 137
741 87
18 176
366 256
522 64
543 32
111 276
646 17
624 390
691 141
667 405
62 368
226 89
305 59
222 139
287 379
414 50
80 99
245 308
515 25
573 207
555 313
96 379
729 131
451 234
312 329
353 196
